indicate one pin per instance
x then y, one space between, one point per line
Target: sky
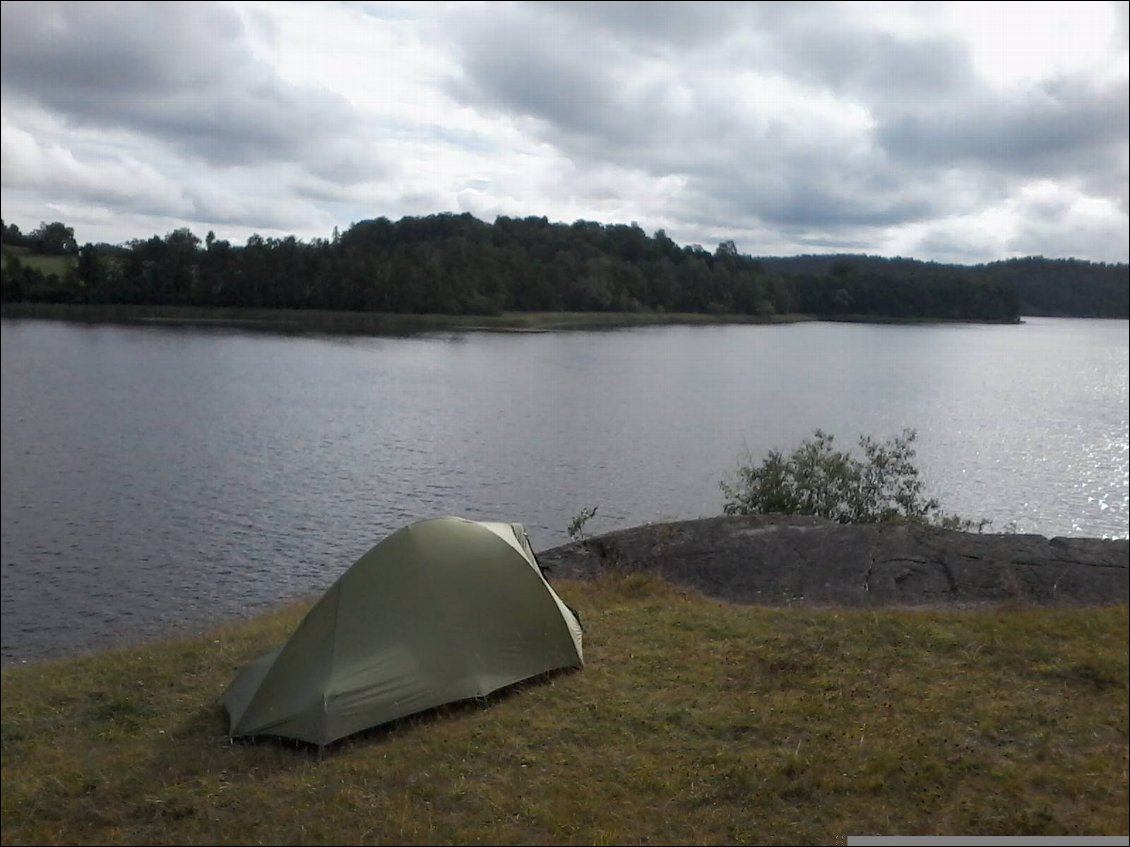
951 132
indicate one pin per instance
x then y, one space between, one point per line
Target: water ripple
158 480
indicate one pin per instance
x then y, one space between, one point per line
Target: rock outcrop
780 560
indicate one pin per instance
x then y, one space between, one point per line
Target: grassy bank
693 722
364 323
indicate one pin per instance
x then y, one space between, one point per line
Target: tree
12 235
11 279
817 479
726 250
90 269
55 239
459 264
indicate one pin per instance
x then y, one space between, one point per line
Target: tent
442 610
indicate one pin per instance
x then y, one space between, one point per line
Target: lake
162 479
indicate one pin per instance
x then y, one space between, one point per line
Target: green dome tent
443 610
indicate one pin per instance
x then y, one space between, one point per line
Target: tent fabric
442 610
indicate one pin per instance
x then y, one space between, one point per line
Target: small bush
817 479
577 525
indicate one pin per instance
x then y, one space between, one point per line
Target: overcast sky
953 132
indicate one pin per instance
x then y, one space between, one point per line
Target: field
693 722
47 265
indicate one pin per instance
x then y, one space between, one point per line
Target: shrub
817 479
577 525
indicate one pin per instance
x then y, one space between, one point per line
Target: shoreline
798 561
789 560
296 321
299 321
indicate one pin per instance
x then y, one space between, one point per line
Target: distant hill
1046 287
458 265
1066 287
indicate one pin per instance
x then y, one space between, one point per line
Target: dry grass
694 722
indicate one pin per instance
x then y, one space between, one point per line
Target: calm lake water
160 479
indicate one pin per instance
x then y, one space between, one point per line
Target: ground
782 560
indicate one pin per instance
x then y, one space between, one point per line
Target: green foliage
459 265
577 525
816 479
26 276
54 239
11 236
833 285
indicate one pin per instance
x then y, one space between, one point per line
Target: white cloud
1015 45
908 128
32 166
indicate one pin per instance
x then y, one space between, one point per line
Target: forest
457 264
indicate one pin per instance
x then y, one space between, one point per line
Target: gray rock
787 559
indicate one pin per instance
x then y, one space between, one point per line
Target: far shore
292 321
366 323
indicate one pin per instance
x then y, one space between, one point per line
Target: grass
365 323
46 265
693 722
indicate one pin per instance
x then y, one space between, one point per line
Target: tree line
458 264
1048 287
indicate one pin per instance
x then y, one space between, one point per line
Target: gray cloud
1040 238
1056 129
803 205
181 73
836 48
548 70
791 124
598 102
663 24
595 82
